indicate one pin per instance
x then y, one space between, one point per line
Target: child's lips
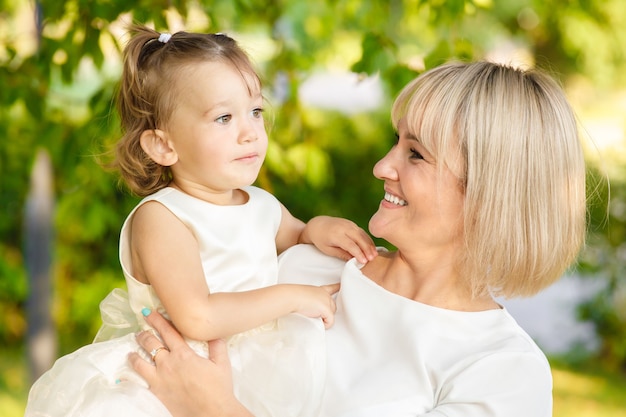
251 157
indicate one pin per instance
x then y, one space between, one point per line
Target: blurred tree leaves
59 63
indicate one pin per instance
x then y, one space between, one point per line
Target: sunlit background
331 69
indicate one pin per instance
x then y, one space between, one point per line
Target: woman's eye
415 154
258 112
224 119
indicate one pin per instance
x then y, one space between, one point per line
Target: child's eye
395 142
258 112
415 154
224 119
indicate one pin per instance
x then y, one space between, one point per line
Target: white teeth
395 200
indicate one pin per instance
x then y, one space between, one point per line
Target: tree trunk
41 335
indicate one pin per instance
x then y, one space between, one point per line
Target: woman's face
423 206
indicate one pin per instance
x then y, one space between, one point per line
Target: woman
484 195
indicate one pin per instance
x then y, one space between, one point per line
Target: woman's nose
385 169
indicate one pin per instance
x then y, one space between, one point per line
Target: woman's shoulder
511 382
305 264
505 372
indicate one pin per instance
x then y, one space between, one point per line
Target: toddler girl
202 245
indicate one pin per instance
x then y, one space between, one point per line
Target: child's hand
340 238
313 301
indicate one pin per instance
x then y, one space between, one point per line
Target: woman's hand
187 384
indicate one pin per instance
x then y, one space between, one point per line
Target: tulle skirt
278 370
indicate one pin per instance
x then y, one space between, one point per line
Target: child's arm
334 236
165 254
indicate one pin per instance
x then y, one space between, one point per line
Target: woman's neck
434 283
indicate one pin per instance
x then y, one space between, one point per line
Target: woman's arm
512 383
187 384
166 255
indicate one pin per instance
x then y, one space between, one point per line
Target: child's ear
155 144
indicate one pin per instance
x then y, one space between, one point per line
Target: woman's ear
155 144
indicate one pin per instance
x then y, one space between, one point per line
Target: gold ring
155 352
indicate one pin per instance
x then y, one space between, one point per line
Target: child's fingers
364 242
348 248
338 252
329 319
356 242
332 288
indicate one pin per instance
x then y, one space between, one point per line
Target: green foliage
606 257
56 91
587 390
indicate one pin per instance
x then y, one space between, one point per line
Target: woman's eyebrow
411 136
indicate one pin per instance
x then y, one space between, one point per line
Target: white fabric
278 369
391 356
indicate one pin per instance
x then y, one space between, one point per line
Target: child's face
217 129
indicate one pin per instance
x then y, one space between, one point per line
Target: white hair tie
164 37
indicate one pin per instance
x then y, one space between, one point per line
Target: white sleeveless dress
278 369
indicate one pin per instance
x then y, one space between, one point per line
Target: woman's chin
376 227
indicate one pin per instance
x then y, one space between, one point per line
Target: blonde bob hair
521 168
148 93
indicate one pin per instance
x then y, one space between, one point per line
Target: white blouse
391 356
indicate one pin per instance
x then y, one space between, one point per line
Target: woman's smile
394 199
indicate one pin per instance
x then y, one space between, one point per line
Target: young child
202 245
